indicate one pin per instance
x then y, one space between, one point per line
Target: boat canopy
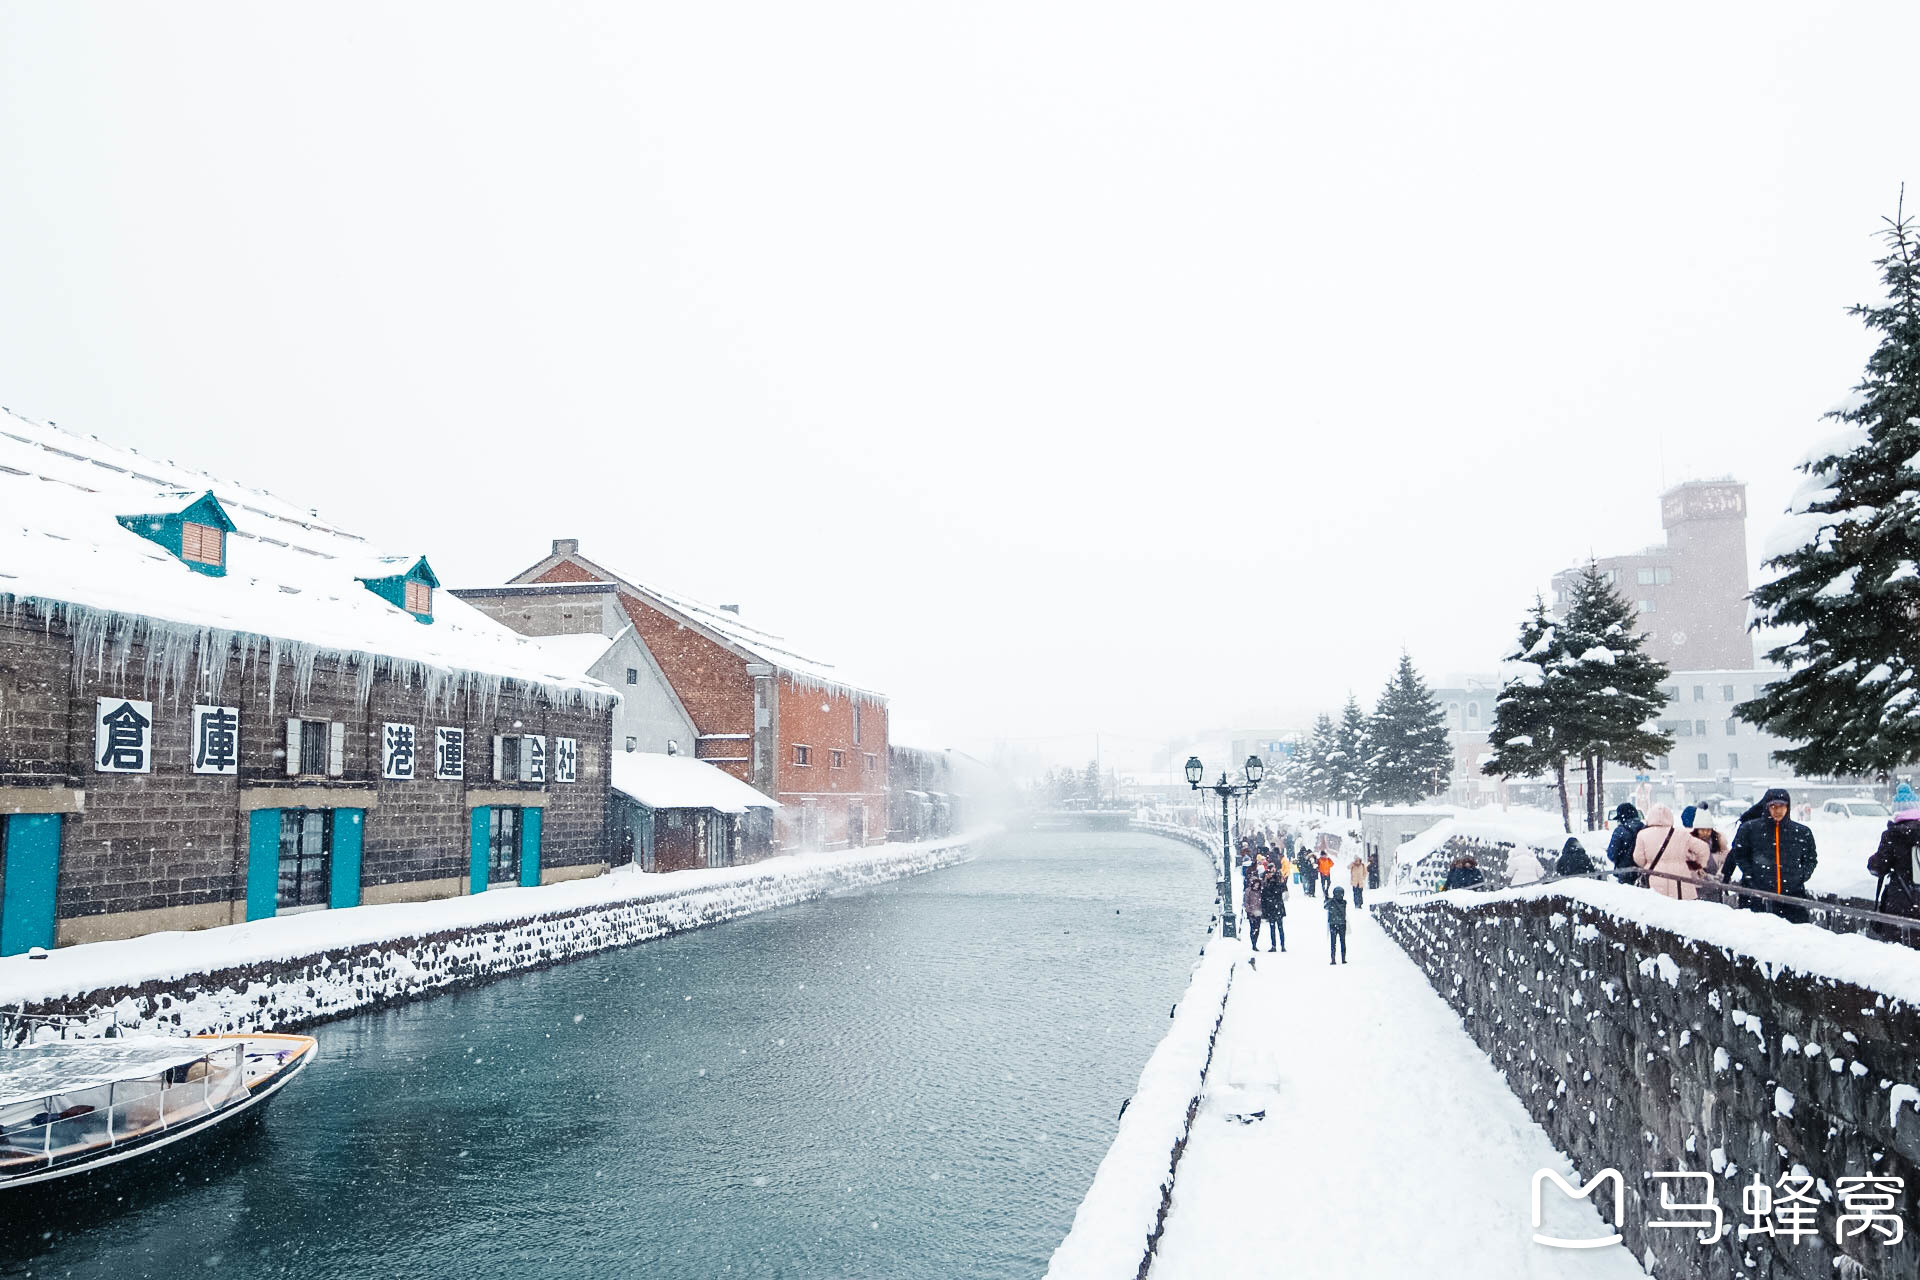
66 1066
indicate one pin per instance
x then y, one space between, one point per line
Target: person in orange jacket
1326 871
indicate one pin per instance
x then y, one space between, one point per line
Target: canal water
917 1081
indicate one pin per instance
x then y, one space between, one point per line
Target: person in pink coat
1663 846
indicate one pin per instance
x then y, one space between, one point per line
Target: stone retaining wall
1644 1050
300 991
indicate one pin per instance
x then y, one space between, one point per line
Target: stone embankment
293 972
1649 1035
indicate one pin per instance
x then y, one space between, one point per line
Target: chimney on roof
566 546
733 609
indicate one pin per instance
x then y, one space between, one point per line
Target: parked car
1856 808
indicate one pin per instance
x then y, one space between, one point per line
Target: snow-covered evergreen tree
1411 758
1347 762
1316 764
1610 687
1846 590
1527 736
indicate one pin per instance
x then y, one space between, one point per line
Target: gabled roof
292 578
414 568
722 626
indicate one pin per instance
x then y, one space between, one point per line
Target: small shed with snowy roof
218 706
677 813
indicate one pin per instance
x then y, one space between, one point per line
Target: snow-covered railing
292 971
1118 1224
1510 848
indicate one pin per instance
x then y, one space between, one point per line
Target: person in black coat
1620 844
1273 909
1773 852
1465 873
1573 859
1337 925
1893 862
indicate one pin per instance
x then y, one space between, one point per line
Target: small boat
73 1106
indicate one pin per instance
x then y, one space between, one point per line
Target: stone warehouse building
791 726
215 707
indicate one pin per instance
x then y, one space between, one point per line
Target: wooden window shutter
293 747
496 758
336 748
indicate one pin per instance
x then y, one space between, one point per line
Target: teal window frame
166 529
393 587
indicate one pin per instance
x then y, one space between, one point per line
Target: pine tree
1847 589
1316 769
1411 758
1611 686
1090 782
1347 762
1527 736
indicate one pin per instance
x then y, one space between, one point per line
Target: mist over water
914 1082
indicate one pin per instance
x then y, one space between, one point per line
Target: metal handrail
1768 895
1909 927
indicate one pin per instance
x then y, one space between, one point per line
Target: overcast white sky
1052 367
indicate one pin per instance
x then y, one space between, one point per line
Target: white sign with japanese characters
566 760
449 753
398 745
533 758
216 740
122 736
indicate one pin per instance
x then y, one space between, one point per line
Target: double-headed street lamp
1226 791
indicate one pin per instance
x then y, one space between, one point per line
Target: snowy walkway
1390 1147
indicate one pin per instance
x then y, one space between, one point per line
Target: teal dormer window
411 589
197 533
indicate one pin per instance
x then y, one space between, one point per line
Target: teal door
481 821
348 827
530 846
29 881
263 863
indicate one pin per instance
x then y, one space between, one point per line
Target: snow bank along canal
916 1081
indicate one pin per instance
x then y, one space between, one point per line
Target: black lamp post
1227 791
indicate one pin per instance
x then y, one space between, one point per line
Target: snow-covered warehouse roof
292 581
724 625
681 782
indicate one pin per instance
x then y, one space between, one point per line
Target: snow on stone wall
328 964
1118 1225
1510 848
1651 1035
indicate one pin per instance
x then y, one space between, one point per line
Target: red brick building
790 725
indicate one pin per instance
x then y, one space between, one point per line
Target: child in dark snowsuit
1337 925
